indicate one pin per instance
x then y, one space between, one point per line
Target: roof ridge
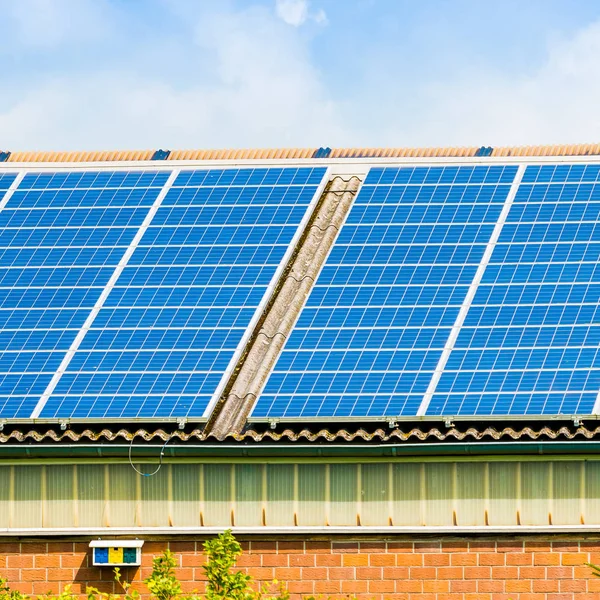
301 153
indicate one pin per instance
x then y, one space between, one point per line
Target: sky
177 74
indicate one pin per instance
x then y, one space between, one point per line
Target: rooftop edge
7 156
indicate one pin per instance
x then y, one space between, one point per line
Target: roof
229 422
415 440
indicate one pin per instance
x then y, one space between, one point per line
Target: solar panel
6 180
61 237
179 311
530 343
375 325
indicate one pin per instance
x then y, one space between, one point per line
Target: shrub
223 583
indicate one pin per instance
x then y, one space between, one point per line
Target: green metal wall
311 493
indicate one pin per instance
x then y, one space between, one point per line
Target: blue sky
106 74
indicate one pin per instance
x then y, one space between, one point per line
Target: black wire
160 458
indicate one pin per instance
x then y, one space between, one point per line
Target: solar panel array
450 290
61 237
370 341
530 343
376 322
190 265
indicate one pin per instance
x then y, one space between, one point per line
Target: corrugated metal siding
371 494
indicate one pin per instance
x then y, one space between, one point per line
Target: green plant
162 583
7 594
595 569
130 594
223 582
66 594
222 553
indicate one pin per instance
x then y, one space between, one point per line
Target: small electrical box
117 553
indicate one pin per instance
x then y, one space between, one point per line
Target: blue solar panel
530 342
6 180
168 331
61 237
375 324
437 295
562 174
94 179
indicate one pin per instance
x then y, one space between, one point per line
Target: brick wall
448 569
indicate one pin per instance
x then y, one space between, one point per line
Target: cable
160 458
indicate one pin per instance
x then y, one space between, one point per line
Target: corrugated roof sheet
305 153
396 435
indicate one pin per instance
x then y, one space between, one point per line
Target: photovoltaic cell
6 180
531 341
168 331
61 237
375 324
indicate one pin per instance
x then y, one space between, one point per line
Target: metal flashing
161 155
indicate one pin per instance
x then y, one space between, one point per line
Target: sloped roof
224 430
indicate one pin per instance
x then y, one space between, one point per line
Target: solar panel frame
7 192
6 181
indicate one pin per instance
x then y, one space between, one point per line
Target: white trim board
337 166
509 530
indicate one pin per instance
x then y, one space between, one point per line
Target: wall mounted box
117 553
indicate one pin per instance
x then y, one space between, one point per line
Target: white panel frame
12 189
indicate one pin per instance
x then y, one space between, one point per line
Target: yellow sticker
115 555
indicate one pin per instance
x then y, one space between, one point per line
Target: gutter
149 453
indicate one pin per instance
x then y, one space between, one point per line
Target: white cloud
296 12
250 82
555 104
320 17
261 91
46 23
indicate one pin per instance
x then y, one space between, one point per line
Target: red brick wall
448 569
